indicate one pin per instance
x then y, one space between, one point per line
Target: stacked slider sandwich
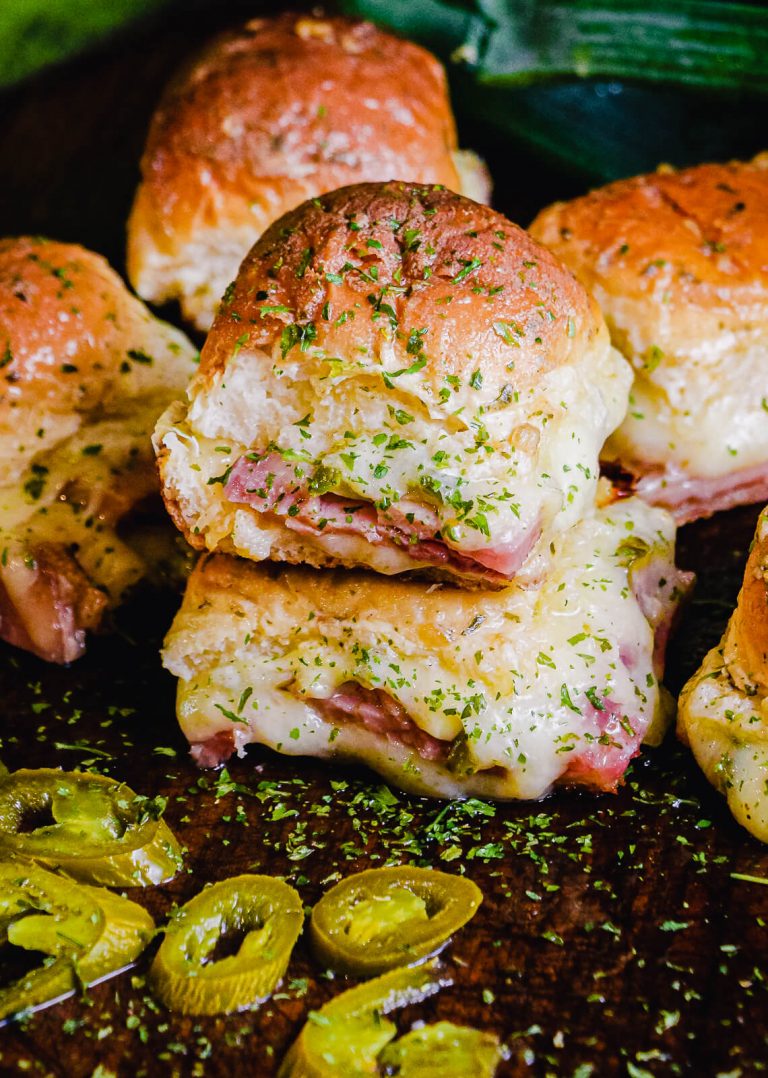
407 395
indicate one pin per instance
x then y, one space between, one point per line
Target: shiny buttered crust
84 372
403 338
678 261
525 687
74 344
723 713
268 116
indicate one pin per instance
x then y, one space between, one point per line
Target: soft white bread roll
268 116
723 712
444 691
85 371
678 262
399 379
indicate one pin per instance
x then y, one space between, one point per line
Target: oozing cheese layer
491 471
76 493
698 412
524 687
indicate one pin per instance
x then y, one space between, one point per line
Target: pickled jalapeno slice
94 828
268 916
441 1049
85 932
387 917
347 1036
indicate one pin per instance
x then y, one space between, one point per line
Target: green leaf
34 33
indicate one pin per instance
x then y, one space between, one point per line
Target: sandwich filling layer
348 470
442 691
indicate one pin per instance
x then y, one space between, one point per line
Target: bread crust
722 711
746 639
439 612
67 325
271 114
678 262
84 371
673 255
375 262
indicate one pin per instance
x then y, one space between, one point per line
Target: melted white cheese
517 681
490 473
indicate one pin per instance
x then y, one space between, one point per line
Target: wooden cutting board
615 937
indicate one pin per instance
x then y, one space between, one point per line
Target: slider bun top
73 341
407 275
267 116
675 257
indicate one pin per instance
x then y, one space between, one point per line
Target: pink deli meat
270 485
690 498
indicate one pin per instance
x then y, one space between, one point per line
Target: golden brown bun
432 615
378 321
84 372
678 261
67 326
703 231
269 115
480 292
746 640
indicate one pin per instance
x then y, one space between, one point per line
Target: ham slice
660 589
47 603
690 497
612 743
378 712
215 751
270 484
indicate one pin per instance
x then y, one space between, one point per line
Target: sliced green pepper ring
185 975
87 932
387 917
442 1049
102 831
346 1036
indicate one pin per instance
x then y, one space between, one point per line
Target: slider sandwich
399 379
443 691
678 262
266 117
723 713
84 372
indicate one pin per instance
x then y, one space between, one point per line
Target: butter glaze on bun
268 116
678 262
444 691
399 379
84 372
723 713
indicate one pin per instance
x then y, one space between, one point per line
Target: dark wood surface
613 935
